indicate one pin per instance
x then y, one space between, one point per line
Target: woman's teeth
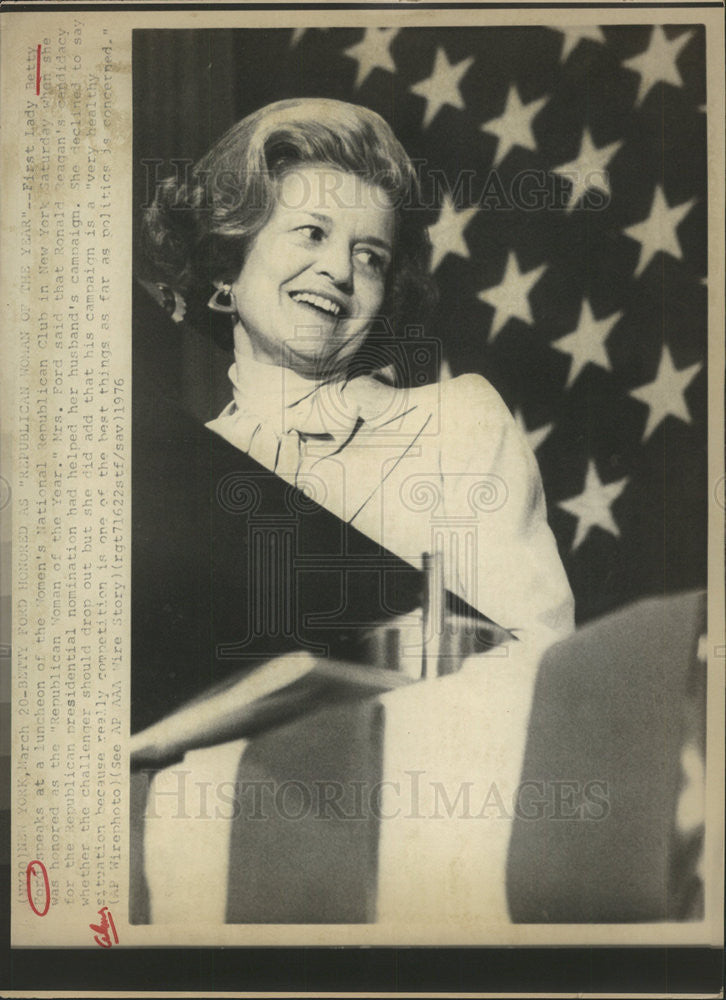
319 301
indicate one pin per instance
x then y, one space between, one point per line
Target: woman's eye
314 233
371 259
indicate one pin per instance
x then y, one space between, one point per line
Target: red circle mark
29 872
37 71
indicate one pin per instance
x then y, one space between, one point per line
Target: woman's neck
246 350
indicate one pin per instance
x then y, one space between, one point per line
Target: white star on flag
573 37
537 435
587 170
442 87
658 232
447 233
658 63
373 51
586 344
510 298
665 394
514 126
592 506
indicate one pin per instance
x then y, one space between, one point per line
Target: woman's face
315 274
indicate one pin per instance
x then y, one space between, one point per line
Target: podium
546 795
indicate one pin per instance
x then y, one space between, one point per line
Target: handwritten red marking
37 868
37 71
101 930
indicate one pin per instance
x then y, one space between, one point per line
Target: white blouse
439 467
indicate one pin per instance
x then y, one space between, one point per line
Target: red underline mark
37 71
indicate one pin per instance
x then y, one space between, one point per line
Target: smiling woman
293 163
305 218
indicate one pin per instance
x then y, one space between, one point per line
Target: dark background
190 86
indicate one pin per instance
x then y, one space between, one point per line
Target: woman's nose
334 261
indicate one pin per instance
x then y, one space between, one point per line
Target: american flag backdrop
564 172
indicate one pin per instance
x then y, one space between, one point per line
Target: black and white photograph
362 499
419 475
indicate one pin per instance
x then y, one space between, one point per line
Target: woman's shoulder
476 427
465 400
466 408
472 388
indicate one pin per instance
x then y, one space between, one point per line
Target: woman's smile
314 277
320 302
